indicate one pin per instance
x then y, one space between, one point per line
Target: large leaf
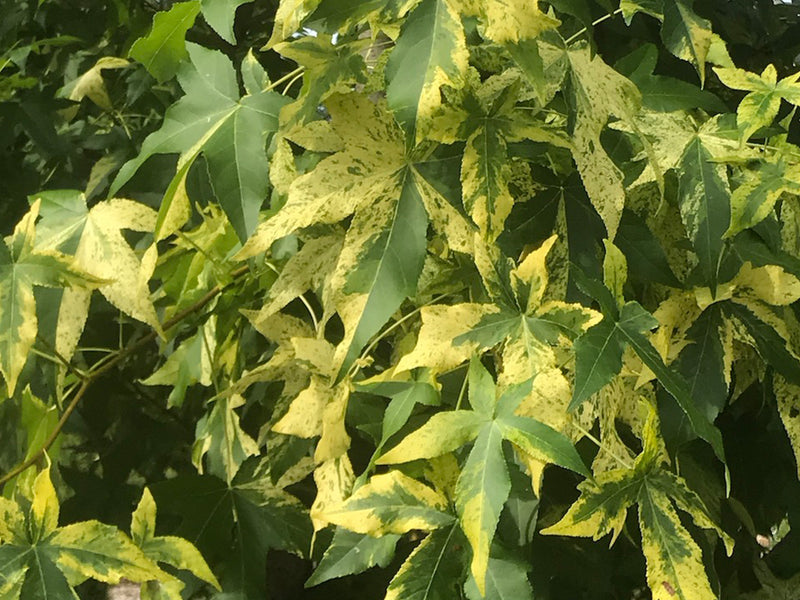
231 131
237 523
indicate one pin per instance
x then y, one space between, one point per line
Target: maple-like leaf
39 559
23 266
163 49
674 562
760 106
94 236
231 131
483 485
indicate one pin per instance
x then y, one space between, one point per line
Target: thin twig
97 371
578 34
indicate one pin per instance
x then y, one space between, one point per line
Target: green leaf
433 571
598 357
220 14
506 579
430 52
329 68
662 93
704 202
230 131
541 442
235 524
351 553
163 49
220 437
482 489
644 254
379 265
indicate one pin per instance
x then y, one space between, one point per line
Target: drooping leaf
22 266
482 489
685 34
163 49
434 570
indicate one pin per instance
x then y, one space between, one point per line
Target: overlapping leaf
483 485
231 132
23 266
674 562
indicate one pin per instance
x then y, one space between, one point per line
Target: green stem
605 17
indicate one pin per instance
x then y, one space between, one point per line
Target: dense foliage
403 299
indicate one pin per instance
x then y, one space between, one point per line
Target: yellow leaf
334 479
44 508
440 326
788 397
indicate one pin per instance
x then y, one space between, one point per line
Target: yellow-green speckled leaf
12 523
615 271
482 489
602 506
334 479
788 396
391 503
304 417
367 168
21 268
440 326
288 18
100 248
430 52
43 518
485 172
591 80
770 284
443 433
754 199
143 519
685 34
220 439
511 21
334 441
181 554
758 108
102 552
432 568
675 568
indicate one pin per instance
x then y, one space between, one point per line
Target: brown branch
96 373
